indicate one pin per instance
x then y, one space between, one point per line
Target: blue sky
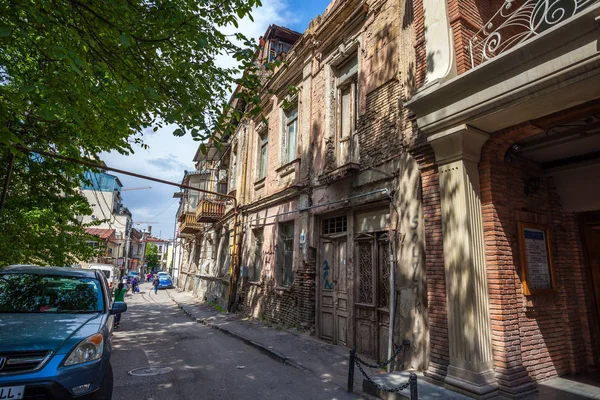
167 156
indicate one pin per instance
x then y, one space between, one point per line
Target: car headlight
89 349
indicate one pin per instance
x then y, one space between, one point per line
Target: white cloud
168 156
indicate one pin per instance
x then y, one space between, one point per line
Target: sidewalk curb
274 354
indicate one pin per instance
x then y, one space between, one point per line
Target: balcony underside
188 224
209 211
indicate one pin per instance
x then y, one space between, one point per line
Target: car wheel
106 388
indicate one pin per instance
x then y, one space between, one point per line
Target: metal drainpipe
237 245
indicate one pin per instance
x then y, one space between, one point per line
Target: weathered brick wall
540 336
293 306
434 261
418 19
378 132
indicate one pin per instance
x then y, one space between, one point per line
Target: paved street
206 363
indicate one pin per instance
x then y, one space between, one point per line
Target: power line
169 206
110 209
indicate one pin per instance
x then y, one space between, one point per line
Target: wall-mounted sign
537 268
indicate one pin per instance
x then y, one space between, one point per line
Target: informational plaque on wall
536 258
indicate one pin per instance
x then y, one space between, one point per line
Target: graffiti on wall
327 284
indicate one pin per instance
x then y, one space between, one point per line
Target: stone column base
483 384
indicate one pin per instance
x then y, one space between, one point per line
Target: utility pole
129 228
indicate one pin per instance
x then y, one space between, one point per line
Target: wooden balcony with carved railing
188 224
209 210
518 21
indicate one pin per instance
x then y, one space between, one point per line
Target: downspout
237 245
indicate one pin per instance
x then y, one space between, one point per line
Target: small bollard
414 391
351 371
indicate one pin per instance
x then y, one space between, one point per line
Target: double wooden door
371 307
334 290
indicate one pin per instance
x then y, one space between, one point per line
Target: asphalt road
206 363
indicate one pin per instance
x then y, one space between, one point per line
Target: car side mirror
118 307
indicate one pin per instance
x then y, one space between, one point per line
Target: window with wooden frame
347 96
285 259
290 134
233 176
537 266
256 266
263 144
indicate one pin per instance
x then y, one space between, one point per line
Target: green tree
152 256
81 77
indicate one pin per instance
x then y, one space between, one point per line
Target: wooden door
383 295
372 297
334 291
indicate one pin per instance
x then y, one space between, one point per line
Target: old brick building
426 170
506 135
319 182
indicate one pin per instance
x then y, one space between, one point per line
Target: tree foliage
152 256
81 77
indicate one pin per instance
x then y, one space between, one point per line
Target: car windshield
162 273
106 273
34 293
133 274
164 277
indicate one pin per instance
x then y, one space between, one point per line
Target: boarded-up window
347 99
346 112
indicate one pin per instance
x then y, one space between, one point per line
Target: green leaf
47 114
5 31
75 69
178 132
124 40
59 52
27 89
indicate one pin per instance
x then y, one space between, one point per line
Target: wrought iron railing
518 21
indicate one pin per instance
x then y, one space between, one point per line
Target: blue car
56 326
164 282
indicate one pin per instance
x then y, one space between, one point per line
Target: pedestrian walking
155 284
119 296
134 284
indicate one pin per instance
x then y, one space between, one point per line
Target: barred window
285 260
335 225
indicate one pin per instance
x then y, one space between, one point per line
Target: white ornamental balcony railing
518 21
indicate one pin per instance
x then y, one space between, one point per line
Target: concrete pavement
206 363
327 362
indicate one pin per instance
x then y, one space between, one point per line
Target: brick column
457 153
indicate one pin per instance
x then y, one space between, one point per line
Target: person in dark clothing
155 284
119 296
